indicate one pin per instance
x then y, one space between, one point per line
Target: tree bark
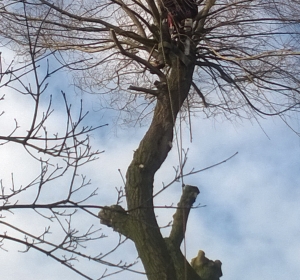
161 257
147 159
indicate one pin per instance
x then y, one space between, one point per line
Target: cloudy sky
251 210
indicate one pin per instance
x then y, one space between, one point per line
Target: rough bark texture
180 218
147 159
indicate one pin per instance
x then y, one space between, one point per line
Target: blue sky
251 216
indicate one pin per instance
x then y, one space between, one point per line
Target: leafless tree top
246 51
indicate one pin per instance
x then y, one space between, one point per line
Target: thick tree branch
145 90
134 17
134 57
180 217
117 218
154 11
201 17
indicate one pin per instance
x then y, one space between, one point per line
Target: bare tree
234 58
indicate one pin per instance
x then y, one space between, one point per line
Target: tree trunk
161 257
151 153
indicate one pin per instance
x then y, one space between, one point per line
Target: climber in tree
179 10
